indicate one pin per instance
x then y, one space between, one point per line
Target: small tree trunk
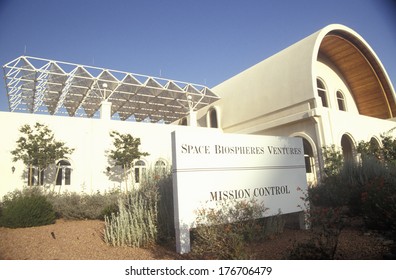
39 176
125 178
30 175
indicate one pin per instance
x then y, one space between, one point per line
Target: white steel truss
42 85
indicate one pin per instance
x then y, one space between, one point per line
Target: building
325 89
329 88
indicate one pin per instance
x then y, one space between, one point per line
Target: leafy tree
333 160
125 152
386 153
38 148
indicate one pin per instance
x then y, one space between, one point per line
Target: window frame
139 171
341 103
64 174
322 92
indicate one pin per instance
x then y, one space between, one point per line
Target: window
213 118
183 121
348 149
63 177
160 167
140 170
322 92
341 101
308 156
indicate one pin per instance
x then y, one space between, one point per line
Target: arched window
63 177
309 159
347 147
308 156
322 92
140 170
183 121
341 101
160 167
213 118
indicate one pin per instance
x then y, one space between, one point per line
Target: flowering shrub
366 189
378 202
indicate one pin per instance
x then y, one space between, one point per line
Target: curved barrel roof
361 68
288 78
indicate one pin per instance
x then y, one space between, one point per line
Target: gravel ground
82 240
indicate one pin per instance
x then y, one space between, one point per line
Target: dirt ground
82 240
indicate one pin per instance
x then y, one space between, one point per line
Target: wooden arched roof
362 71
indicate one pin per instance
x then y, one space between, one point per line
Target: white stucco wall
90 138
334 82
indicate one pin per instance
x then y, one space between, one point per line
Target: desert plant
72 205
26 209
165 214
222 232
378 203
143 215
325 225
135 223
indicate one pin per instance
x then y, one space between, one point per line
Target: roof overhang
37 85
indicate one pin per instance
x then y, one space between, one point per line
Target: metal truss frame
38 85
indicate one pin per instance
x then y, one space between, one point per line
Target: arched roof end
362 69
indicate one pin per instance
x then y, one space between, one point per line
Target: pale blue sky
204 42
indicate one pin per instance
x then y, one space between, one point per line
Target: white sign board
211 167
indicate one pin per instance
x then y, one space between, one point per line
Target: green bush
366 188
26 209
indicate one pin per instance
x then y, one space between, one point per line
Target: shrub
222 233
165 215
378 203
71 205
145 215
313 249
26 209
345 187
325 225
135 223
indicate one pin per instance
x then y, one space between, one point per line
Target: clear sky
197 41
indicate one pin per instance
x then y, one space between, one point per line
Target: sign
211 167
